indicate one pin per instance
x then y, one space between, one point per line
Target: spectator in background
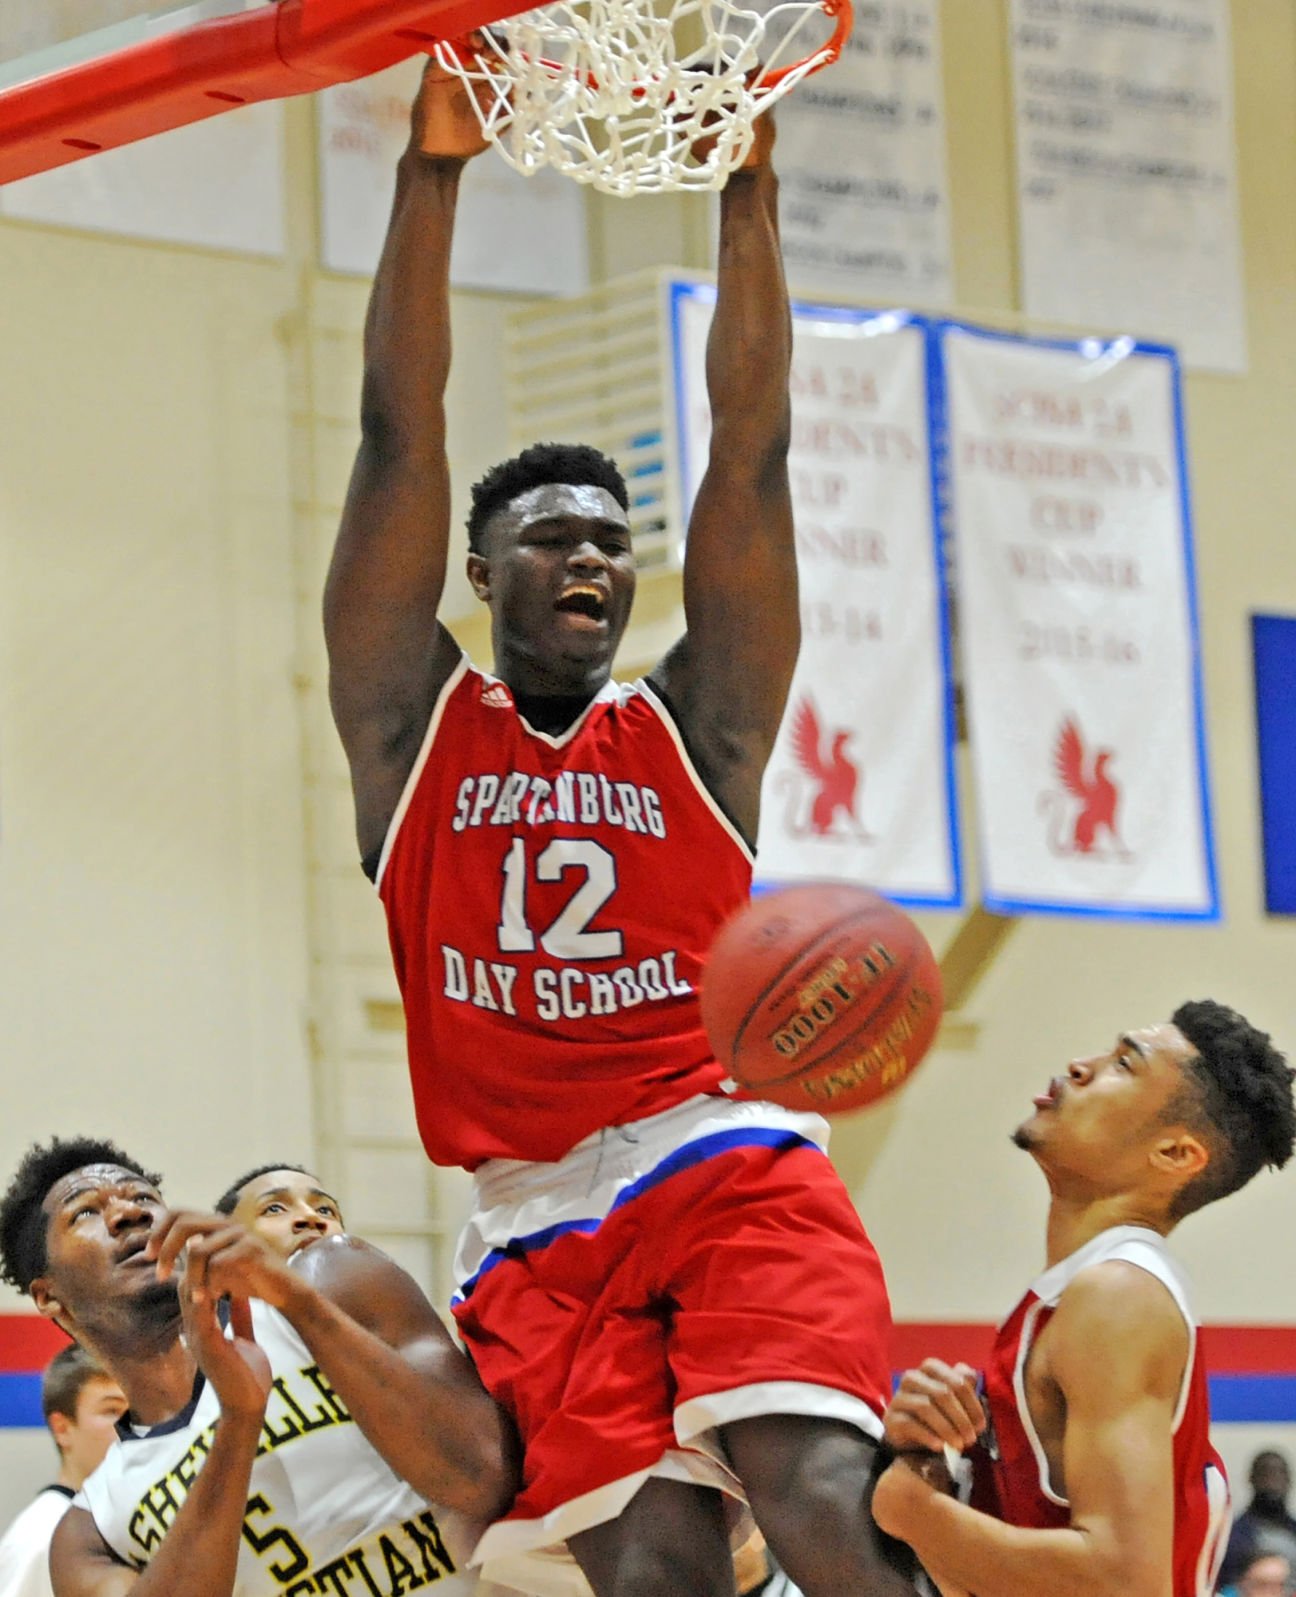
1266 1575
1264 1526
82 1405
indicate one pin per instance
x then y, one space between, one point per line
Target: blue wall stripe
1234 1400
20 1400
1253 1399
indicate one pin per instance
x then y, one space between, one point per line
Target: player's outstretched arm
380 1343
199 1553
729 676
388 657
1117 1459
409 1388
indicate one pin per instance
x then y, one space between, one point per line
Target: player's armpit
82 1564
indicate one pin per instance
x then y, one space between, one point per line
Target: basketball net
640 96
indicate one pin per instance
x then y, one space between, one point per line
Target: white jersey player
325 1512
329 1438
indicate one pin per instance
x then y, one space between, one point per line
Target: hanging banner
860 786
863 194
217 184
364 126
1127 171
1077 620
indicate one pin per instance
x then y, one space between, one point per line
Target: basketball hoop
613 93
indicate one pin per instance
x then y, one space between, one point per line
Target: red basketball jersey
550 901
1012 1477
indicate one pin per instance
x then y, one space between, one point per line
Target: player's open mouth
584 601
1050 1098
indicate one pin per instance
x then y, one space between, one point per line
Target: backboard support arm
268 53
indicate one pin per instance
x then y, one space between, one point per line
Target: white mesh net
638 96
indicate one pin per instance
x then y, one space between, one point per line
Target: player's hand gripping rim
444 122
934 1407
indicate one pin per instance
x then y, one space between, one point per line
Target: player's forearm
407 329
448 1439
199 1553
982 1555
749 349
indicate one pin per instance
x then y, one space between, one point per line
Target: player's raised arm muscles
1117 1459
729 676
388 656
198 1555
409 1388
380 1343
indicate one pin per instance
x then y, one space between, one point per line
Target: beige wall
188 959
151 949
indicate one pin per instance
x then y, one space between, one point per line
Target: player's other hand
935 1406
215 1257
237 1368
444 121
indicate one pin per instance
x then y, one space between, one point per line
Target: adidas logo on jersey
497 695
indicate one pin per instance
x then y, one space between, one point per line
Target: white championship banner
863 193
217 184
1077 621
1127 186
860 786
364 126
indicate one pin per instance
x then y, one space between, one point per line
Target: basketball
822 997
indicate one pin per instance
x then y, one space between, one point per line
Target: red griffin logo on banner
1098 798
833 782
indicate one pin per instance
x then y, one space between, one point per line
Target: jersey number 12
568 935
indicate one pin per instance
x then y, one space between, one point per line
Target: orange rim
827 53
466 51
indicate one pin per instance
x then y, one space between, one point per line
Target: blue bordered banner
860 786
1071 536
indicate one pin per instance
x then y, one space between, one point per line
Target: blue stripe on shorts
685 1158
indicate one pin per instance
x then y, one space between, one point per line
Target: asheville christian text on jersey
550 902
325 1512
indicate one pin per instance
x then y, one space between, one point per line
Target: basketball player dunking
1095 1469
265 1461
665 1288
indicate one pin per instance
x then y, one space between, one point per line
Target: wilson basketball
821 997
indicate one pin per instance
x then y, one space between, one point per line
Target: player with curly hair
1094 1471
302 1423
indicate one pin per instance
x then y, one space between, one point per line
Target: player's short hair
65 1378
23 1222
228 1200
1237 1098
576 464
